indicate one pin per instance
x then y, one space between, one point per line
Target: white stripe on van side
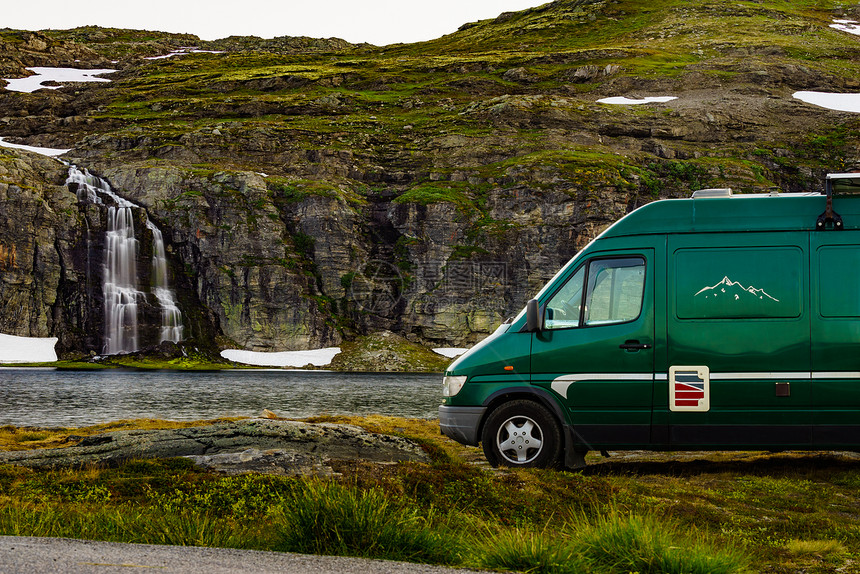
606 377
562 383
761 375
788 375
836 375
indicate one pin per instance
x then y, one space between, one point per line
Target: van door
836 338
738 341
596 351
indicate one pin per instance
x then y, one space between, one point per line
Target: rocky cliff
312 191
45 290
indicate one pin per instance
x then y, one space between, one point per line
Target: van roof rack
842 184
712 192
837 184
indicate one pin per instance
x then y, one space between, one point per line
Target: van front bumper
461 423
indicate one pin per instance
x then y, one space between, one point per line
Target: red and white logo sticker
689 389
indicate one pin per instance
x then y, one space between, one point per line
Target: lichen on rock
258 445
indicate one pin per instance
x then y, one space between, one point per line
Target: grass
330 518
816 548
135 362
611 543
167 502
120 525
179 363
620 543
717 512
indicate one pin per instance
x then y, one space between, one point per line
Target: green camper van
715 322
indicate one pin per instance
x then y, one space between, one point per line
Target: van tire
513 428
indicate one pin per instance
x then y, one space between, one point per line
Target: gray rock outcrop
255 445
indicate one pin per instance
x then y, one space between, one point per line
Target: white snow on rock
831 101
450 352
27 349
621 100
52 152
60 75
315 357
182 51
850 26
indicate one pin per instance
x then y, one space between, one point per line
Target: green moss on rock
387 352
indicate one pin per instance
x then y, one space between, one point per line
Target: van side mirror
534 317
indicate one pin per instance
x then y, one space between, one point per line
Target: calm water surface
47 397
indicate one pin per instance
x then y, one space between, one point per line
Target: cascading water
119 287
171 316
121 295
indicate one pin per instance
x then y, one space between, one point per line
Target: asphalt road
28 555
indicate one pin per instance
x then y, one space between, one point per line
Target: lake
50 397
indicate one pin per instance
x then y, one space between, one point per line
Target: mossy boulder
386 351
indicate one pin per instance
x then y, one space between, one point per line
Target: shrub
611 544
536 553
328 518
626 543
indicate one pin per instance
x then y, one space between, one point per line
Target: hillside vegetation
313 190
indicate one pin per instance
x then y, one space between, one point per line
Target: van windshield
563 310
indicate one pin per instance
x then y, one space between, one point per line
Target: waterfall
88 186
120 280
171 316
120 287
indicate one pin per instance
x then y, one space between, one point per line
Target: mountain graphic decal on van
734 291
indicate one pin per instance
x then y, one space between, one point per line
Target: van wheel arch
539 396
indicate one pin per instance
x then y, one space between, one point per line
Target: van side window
839 280
755 282
562 311
615 288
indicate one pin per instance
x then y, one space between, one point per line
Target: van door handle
634 346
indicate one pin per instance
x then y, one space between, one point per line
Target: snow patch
621 100
32 83
850 26
51 152
315 357
27 349
450 352
183 51
831 101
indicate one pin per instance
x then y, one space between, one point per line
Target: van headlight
452 385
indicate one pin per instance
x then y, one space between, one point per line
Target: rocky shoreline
266 446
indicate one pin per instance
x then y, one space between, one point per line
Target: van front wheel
522 433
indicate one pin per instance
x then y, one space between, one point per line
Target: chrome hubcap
519 440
